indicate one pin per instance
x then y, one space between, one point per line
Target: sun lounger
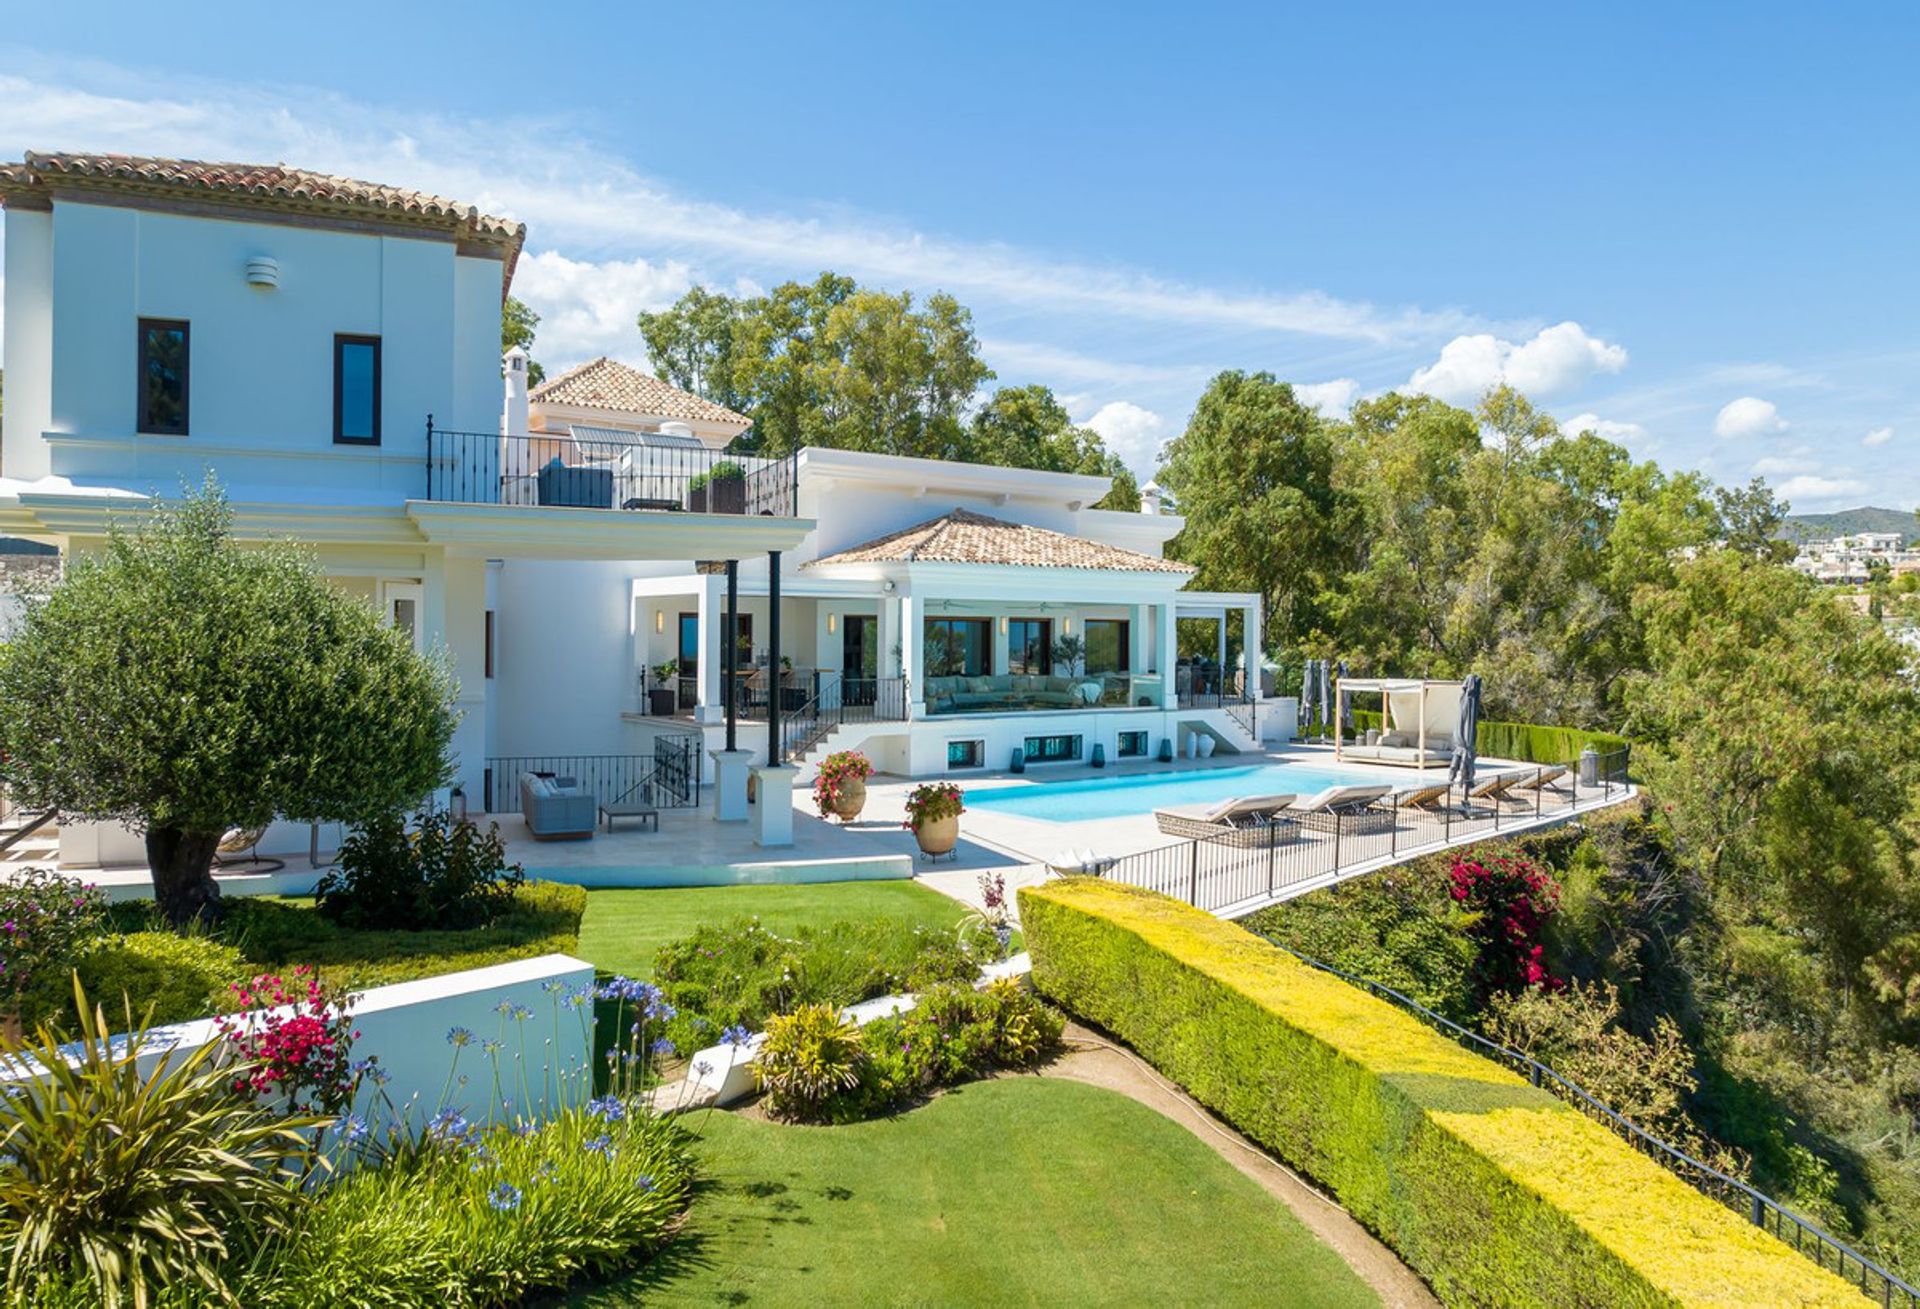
1417 797
1080 863
1540 777
1348 808
1244 820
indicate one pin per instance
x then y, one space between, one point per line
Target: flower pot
727 495
697 500
850 800
939 836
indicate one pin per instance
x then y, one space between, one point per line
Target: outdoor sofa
557 808
1399 748
949 695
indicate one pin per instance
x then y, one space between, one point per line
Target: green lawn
1018 1191
623 929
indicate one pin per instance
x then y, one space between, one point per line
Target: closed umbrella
1306 693
1346 705
1460 768
1326 699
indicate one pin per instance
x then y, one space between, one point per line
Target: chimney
1150 498
513 415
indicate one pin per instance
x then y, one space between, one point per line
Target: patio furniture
640 809
557 808
574 487
1080 863
1418 720
1347 809
241 846
1541 778
1417 797
1250 821
1007 691
1494 788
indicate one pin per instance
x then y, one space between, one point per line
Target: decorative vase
939 836
1206 745
850 800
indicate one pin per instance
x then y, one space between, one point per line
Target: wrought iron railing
670 777
839 699
1760 1209
559 471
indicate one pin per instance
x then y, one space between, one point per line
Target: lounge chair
1080 863
1350 809
1418 797
1239 821
1494 788
1541 777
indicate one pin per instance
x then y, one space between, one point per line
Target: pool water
1090 798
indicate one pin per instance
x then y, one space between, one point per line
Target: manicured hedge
1494 1191
1532 743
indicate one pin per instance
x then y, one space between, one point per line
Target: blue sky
1694 231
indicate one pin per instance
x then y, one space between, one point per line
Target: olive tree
185 684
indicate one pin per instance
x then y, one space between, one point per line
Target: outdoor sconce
457 806
263 271
833 623
659 621
1066 627
1003 624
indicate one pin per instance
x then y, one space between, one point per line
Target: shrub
1492 1190
836 770
445 874
292 1039
1508 902
487 1217
727 471
46 922
160 976
135 1182
741 974
810 1059
1532 743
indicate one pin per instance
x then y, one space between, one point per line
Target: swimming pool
1089 798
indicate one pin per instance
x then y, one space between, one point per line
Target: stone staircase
40 846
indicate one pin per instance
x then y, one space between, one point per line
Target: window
1052 749
489 656
967 754
1030 645
1133 745
164 353
356 390
959 647
1109 645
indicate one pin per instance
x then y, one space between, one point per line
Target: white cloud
589 309
1777 467
1879 436
1606 428
1820 489
574 195
1748 416
1132 432
1554 359
1051 363
1333 399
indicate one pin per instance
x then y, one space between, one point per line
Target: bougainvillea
293 1036
1509 901
45 920
836 770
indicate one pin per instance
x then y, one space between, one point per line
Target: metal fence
669 778
1762 1210
838 699
559 471
1220 868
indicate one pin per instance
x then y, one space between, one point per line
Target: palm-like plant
136 1181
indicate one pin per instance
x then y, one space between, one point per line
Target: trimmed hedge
1530 743
1493 1190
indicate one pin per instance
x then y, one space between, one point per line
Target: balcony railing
559 471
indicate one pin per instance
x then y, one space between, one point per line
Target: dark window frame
144 423
340 341
1123 656
1016 662
983 628
489 661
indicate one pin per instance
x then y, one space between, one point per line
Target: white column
890 661
913 652
773 817
827 650
1166 631
710 708
1139 643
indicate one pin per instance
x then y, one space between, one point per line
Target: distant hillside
1846 522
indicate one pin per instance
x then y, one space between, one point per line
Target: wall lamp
833 623
659 620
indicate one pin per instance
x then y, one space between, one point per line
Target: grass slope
623 929
1018 1191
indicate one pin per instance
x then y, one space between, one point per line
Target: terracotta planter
939 836
851 799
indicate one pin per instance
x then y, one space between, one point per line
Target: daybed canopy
1418 719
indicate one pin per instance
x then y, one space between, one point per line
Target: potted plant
727 488
933 812
840 787
663 700
697 493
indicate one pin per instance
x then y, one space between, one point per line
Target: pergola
1428 703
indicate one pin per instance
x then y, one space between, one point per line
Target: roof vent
262 270
675 429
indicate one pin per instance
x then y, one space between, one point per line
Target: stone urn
939 836
849 800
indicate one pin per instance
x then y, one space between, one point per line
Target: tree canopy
517 324
185 684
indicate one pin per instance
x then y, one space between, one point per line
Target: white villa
611 583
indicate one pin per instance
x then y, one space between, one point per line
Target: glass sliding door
1030 645
959 647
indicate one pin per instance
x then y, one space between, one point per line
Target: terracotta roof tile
608 384
965 537
272 185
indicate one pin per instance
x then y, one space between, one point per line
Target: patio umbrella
1460 768
1307 682
1346 705
1326 697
